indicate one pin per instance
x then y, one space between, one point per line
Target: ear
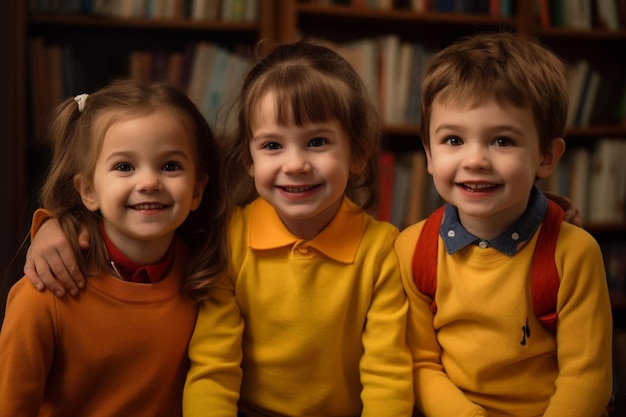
429 160
84 187
551 157
199 191
249 165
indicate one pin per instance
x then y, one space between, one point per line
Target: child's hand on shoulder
50 263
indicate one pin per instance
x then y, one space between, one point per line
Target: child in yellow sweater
493 117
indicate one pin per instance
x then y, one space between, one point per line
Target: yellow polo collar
339 240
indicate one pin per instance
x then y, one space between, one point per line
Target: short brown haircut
504 66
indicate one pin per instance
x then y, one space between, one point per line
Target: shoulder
407 239
25 302
379 234
238 219
576 239
577 252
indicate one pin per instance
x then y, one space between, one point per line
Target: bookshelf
56 52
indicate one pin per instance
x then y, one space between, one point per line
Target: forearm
214 377
386 371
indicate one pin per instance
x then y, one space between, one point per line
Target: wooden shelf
99 22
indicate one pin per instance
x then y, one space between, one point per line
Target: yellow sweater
469 359
117 349
318 326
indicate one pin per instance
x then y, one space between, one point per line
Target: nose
296 162
148 181
476 157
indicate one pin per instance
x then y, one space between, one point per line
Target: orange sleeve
39 218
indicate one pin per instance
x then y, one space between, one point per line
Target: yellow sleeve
215 350
386 363
584 328
435 394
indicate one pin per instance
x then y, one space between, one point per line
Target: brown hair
77 137
508 67
312 83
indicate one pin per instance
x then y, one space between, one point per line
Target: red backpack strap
545 278
425 257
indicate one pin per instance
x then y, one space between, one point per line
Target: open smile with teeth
298 189
150 206
478 187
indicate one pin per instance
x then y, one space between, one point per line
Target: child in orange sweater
137 166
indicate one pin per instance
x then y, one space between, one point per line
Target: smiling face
302 171
485 159
144 183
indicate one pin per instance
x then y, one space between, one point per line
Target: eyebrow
498 128
168 153
305 131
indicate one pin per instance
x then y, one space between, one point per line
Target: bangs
302 96
474 85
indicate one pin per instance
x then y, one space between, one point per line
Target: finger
47 277
73 278
63 268
31 273
83 238
571 213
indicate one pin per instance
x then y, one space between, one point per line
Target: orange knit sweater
118 348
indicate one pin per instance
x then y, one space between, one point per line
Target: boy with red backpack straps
493 116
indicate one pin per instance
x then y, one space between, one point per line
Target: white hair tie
81 99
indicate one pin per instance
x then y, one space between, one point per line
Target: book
198 79
544 14
588 98
389 46
578 161
576 82
606 11
603 204
213 92
403 83
362 54
386 181
402 182
419 174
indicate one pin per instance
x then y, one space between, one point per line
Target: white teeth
148 206
297 189
478 186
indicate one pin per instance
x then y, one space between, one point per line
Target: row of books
594 177
482 7
614 254
583 14
597 96
207 72
391 71
407 192
197 10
